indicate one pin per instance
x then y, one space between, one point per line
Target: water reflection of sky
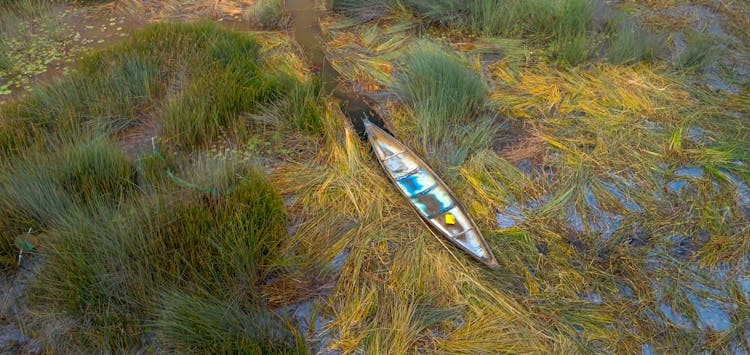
693 298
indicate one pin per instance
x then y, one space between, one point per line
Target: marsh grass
603 248
149 75
632 44
363 10
570 30
700 53
388 297
40 188
187 323
6 62
10 231
107 266
445 97
573 35
104 97
131 245
300 110
27 8
198 259
270 13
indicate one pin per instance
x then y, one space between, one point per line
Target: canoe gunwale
491 262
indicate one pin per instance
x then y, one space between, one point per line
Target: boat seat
393 155
425 191
442 210
407 174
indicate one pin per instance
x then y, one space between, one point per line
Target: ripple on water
742 191
675 317
678 185
682 184
593 297
600 221
711 314
691 172
625 200
510 217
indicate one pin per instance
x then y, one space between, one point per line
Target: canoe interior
432 199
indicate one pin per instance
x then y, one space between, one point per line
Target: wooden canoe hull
428 194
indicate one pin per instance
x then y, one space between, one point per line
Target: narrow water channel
306 16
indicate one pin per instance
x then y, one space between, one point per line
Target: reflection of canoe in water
428 194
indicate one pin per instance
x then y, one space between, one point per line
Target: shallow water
307 33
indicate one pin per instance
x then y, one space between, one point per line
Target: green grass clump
210 104
28 8
96 170
39 188
442 90
189 324
631 44
225 79
127 253
570 30
572 39
199 78
107 266
6 62
104 97
567 25
31 193
8 250
227 82
439 11
513 18
700 53
270 13
365 10
302 108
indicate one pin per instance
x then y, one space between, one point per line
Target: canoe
428 194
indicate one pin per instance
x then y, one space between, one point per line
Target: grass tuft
573 37
513 18
6 62
187 323
120 87
116 252
700 53
364 10
442 91
218 232
41 186
95 170
631 44
270 13
198 78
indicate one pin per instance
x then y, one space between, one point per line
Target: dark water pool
306 28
